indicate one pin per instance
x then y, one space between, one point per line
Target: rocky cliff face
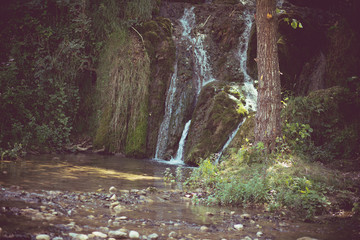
194 63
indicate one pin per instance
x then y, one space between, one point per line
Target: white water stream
203 76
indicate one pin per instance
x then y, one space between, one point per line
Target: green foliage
168 176
275 184
294 22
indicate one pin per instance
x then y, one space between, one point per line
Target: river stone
306 238
112 190
245 216
76 236
121 218
134 235
57 238
118 234
118 209
259 234
239 227
173 235
153 236
42 237
99 234
204 229
113 197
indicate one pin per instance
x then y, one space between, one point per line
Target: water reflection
82 172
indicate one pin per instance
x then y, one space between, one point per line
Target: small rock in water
239 227
113 197
42 237
247 238
76 236
204 229
153 236
134 235
117 234
112 190
99 234
259 234
209 214
57 238
121 218
306 238
173 235
245 216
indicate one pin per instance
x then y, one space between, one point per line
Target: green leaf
300 25
294 24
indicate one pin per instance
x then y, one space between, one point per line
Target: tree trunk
268 125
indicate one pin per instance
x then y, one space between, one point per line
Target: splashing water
248 88
203 76
180 152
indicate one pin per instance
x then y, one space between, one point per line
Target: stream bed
109 197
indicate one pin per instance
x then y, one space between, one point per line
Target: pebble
239 227
117 234
306 238
118 209
99 234
76 236
247 238
173 235
134 235
259 234
42 237
112 190
57 238
104 229
245 216
204 229
121 218
113 197
153 236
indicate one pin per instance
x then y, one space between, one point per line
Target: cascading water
248 87
180 152
202 67
203 76
231 137
163 133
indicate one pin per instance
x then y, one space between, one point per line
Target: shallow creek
67 197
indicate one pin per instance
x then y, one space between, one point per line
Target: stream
88 196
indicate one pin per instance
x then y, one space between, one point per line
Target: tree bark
268 125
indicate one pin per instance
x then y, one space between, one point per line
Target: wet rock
134 235
113 197
42 237
246 238
204 229
76 236
57 238
245 216
118 209
112 190
239 227
306 238
104 229
121 218
118 234
259 234
99 234
210 214
173 235
153 236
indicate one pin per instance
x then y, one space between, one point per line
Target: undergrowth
276 181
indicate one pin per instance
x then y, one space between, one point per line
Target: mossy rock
216 115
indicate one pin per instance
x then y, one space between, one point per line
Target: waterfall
231 137
163 131
180 152
202 67
248 88
203 76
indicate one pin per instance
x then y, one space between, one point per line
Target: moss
102 137
216 115
136 136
